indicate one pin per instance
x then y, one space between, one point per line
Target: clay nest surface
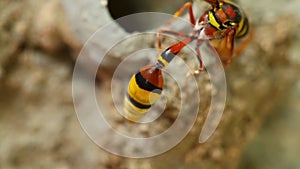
39 128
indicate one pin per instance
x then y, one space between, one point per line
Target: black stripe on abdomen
137 104
146 85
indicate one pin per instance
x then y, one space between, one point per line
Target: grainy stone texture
38 126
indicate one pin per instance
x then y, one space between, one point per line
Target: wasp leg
225 46
180 11
174 49
188 5
199 57
245 42
178 34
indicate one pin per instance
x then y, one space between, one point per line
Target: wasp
220 25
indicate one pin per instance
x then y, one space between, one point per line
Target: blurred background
39 43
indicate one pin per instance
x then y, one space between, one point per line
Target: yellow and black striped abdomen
144 89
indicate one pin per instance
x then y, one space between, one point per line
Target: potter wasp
220 25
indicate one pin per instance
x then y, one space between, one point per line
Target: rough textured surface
278 140
38 125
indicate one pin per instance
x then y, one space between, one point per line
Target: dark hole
120 8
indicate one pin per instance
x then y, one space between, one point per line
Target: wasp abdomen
144 89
